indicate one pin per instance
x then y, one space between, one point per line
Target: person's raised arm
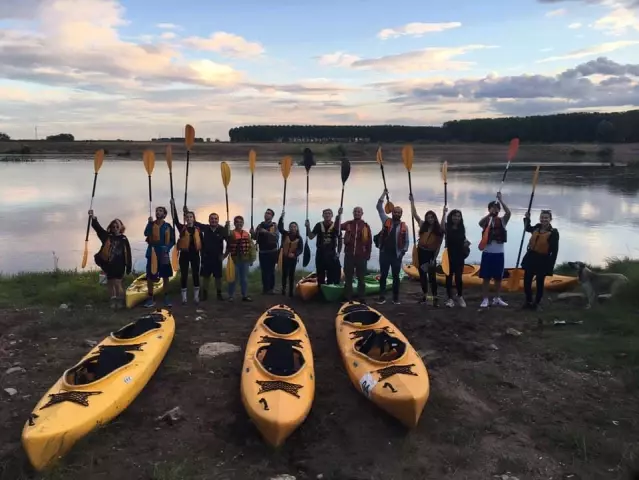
507 212
413 211
280 225
99 230
174 214
311 234
380 207
444 217
527 225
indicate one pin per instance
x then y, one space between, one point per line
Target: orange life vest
430 241
497 232
154 239
185 239
240 243
290 246
386 230
540 242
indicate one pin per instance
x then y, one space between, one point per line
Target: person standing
214 236
267 238
327 264
392 242
190 246
160 237
458 249
357 251
292 248
541 256
241 250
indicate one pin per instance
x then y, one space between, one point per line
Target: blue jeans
241 275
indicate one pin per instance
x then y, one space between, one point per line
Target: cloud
18 9
337 59
574 26
416 29
168 26
168 35
227 44
618 21
557 13
590 51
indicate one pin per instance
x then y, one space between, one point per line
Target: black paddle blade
307 255
308 159
346 169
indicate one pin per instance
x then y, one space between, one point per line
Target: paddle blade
230 270
445 172
407 157
252 160
85 255
154 262
98 160
484 240
287 163
515 279
307 255
174 257
379 157
536 177
512 149
168 153
189 136
308 159
388 208
226 174
445 262
280 259
149 161
346 169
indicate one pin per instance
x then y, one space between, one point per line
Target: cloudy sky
137 69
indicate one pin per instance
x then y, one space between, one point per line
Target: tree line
619 127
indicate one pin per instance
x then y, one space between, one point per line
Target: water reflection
43 206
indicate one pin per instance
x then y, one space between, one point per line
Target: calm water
43 206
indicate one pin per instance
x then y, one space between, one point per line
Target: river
43 205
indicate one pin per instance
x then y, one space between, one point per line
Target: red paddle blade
512 150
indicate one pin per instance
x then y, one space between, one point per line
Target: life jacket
386 230
154 238
185 239
350 233
290 246
240 244
430 241
540 241
105 251
497 232
267 243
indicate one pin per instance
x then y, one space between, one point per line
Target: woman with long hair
458 248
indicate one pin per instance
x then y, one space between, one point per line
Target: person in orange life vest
161 238
458 248
327 264
492 258
358 242
267 238
190 246
292 247
431 236
114 257
392 242
540 258
240 248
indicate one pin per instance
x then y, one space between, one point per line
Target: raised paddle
308 163
285 167
189 140
252 160
149 163
516 274
407 158
98 159
445 260
169 162
226 179
346 171
512 151
388 208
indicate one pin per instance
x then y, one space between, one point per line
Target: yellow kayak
381 362
307 287
469 271
98 388
137 292
278 375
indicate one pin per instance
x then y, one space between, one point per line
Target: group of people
203 248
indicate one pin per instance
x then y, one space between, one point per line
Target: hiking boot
149 303
450 303
484 303
461 302
381 300
498 302
247 299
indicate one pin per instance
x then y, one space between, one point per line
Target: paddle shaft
523 235
95 181
186 180
150 199
503 178
412 220
381 166
226 195
284 199
252 191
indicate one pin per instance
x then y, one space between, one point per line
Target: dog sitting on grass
595 285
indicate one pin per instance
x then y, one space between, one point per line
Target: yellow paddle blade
189 136
226 173
280 259
154 262
85 255
388 208
174 257
445 172
169 157
252 159
407 157
98 160
536 177
287 163
445 262
149 161
230 270
514 281
379 157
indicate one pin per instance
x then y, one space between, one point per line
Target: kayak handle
388 385
263 402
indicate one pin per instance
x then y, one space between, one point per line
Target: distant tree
4 137
61 137
605 131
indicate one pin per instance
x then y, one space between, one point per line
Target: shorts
114 272
165 270
492 266
211 267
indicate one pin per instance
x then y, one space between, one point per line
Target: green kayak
334 293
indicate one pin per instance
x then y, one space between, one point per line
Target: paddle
226 179
252 159
98 159
512 151
285 167
346 171
517 273
149 163
445 260
388 208
169 162
308 163
189 140
407 158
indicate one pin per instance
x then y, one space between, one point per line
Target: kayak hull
138 291
307 288
277 404
404 393
55 426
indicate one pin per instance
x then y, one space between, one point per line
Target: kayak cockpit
364 317
281 321
108 359
379 345
138 328
280 356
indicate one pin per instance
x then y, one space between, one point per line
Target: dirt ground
501 406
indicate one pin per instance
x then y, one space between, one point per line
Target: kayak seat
380 346
364 317
284 325
356 308
280 358
98 366
140 326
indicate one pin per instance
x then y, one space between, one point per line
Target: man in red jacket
357 251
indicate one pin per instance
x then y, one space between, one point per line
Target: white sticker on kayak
367 383
128 380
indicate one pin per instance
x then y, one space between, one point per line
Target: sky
134 69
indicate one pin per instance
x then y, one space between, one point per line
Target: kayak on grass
138 291
381 363
413 273
334 293
308 288
98 388
278 377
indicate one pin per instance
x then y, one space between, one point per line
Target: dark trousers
328 269
354 266
268 260
288 274
528 279
427 272
456 267
389 261
193 259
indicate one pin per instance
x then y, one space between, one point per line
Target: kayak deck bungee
138 291
381 363
98 388
278 374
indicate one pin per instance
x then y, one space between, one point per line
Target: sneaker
196 295
450 303
498 302
435 302
114 303
184 293
247 299
484 303
381 300
230 299
167 302
422 300
396 301
461 302
149 303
